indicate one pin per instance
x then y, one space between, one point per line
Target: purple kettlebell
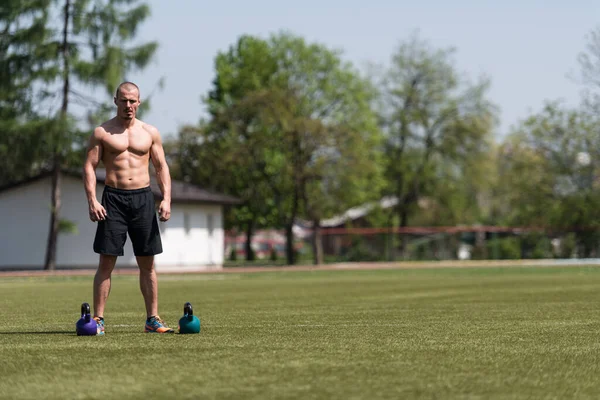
86 326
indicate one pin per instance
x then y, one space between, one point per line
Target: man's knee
145 263
107 262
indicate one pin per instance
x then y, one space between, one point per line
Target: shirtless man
125 145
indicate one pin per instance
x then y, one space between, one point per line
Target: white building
193 238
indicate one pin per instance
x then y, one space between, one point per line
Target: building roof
358 212
181 192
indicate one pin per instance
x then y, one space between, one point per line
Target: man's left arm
157 154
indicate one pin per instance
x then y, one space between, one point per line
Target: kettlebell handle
85 312
187 309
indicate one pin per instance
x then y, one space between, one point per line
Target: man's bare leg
102 283
148 284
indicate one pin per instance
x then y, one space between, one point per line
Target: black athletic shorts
128 211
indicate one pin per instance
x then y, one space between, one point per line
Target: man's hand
97 212
164 210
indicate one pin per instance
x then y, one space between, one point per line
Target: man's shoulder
101 130
151 129
105 127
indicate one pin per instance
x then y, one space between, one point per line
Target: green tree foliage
331 134
549 168
212 157
438 130
22 26
231 152
291 132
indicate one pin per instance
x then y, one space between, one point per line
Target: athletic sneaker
157 325
100 323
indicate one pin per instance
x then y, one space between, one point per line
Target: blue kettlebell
86 326
189 323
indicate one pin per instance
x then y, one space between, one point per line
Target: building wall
24 219
192 236
187 238
75 250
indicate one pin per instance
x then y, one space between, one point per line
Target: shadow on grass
39 333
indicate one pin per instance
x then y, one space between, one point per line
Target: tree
437 126
211 157
550 173
589 63
292 129
231 146
22 25
92 50
331 134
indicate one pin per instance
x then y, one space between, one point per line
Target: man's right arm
92 159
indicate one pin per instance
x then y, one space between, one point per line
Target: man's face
127 103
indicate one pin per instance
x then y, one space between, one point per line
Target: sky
528 48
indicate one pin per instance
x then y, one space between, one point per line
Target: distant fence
436 244
459 242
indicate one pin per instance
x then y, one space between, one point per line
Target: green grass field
488 333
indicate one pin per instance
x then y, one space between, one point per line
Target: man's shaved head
127 87
127 100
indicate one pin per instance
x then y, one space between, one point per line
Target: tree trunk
390 239
250 256
50 262
317 243
290 252
403 236
289 244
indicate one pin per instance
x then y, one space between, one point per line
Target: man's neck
125 122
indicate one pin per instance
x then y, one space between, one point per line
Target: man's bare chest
137 141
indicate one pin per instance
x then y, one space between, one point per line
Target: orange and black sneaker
156 325
100 325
